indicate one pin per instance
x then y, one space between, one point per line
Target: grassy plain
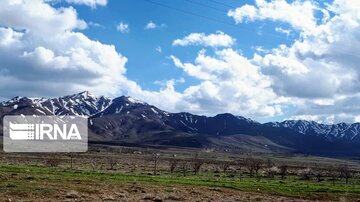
131 178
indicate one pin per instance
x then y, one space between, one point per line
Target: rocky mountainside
340 131
127 120
81 104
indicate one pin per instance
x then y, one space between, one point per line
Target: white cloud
57 60
325 57
260 49
321 64
91 3
123 27
284 31
42 54
170 82
153 25
341 109
158 49
42 60
316 118
219 39
229 82
44 21
95 24
300 14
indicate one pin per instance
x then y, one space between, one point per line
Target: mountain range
125 120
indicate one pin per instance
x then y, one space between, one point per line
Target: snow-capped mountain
81 104
125 119
122 108
340 131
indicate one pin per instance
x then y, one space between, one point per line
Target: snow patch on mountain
88 105
330 132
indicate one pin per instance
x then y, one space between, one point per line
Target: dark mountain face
221 124
126 120
335 132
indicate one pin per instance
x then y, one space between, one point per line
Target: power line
223 22
223 4
207 6
190 13
206 17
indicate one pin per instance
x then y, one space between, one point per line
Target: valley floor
28 183
128 175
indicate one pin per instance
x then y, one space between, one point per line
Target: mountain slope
126 120
340 131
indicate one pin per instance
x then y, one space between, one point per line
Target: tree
224 165
332 174
184 166
253 165
345 173
197 163
319 173
156 157
173 163
249 166
305 174
239 164
269 168
283 171
258 165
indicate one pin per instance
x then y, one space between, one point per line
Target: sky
268 60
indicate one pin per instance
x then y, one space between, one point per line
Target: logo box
45 134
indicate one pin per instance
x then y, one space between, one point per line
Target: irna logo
45 134
41 131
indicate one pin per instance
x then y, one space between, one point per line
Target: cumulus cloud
219 39
123 27
229 82
342 109
321 64
42 54
91 3
45 55
45 21
300 14
150 25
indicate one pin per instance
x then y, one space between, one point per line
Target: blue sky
174 23
138 42
265 59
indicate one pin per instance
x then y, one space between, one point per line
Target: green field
40 182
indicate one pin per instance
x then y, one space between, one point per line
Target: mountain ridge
125 119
